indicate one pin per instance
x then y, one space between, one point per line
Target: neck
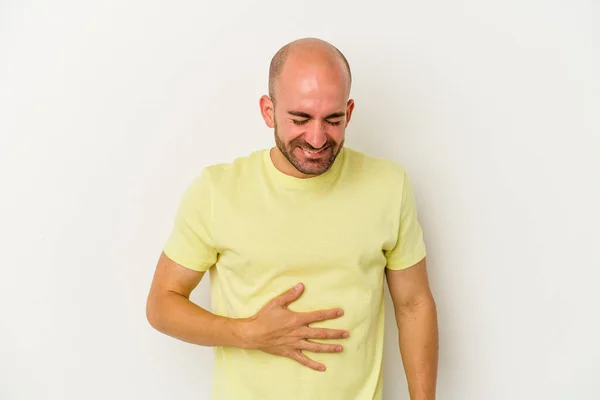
285 166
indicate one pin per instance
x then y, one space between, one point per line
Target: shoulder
228 174
376 168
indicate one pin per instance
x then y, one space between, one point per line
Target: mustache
306 146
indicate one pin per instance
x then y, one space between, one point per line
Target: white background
109 109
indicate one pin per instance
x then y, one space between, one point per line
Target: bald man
298 240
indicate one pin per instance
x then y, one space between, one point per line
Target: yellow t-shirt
264 231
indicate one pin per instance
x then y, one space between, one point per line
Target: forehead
312 86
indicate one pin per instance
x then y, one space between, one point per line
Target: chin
310 167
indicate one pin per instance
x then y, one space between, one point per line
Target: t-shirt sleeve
190 243
410 246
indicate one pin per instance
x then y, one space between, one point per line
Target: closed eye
304 121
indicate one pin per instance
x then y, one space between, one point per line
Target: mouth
314 153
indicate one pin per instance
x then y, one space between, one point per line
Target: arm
416 317
170 311
274 329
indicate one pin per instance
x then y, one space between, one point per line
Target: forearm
176 316
418 337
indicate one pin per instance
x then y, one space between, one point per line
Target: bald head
315 52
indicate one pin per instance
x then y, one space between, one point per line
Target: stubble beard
307 166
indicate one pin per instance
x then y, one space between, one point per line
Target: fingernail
346 334
321 368
339 348
298 286
340 313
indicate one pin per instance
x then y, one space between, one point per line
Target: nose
316 136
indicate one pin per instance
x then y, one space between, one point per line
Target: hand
279 331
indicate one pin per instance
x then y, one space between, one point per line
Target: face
310 115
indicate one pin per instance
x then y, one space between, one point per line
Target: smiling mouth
314 153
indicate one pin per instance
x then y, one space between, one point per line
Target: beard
307 165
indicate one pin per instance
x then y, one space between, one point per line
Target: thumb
290 295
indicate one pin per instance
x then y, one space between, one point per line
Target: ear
267 111
349 109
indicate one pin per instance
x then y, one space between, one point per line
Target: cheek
337 132
287 131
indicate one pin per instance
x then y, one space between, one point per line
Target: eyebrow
305 115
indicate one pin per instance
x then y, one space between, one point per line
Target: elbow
153 315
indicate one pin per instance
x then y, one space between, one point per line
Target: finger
302 359
323 333
290 295
319 347
320 315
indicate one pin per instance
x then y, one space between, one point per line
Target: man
298 239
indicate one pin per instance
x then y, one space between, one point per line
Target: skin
416 318
310 112
274 329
